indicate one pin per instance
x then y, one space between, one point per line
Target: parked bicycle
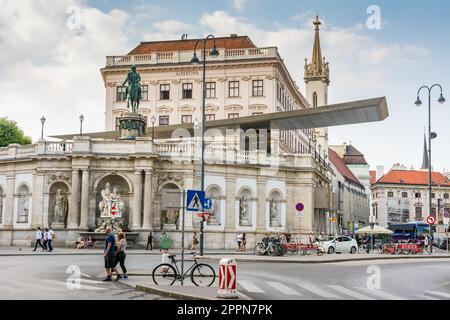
272 246
201 274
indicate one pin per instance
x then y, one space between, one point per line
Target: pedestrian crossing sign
195 200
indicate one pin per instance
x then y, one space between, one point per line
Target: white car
340 244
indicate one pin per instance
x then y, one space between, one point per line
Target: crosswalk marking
350 293
439 293
316 290
283 288
381 294
249 286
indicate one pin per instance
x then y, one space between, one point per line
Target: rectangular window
121 94
258 90
210 90
210 117
233 115
144 92
418 215
433 195
446 196
164 92
163 120
187 90
390 194
186 118
404 194
433 212
233 89
257 113
418 195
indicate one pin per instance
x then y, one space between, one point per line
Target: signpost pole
182 237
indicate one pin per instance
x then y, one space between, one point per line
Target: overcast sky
52 50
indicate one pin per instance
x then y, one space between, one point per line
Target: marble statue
105 203
273 210
243 212
59 207
169 218
23 208
116 200
213 218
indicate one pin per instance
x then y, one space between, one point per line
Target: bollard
227 279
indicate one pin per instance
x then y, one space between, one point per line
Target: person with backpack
50 236
39 237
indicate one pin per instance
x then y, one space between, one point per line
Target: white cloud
239 5
52 70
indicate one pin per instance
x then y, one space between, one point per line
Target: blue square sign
195 200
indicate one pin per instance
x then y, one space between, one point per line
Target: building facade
401 196
64 184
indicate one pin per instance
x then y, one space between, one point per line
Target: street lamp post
213 53
42 127
431 135
153 126
81 124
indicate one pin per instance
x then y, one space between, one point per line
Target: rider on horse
133 89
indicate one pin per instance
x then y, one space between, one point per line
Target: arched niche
119 187
58 204
215 193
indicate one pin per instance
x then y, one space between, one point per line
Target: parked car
340 244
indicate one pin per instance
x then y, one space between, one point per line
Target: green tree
11 133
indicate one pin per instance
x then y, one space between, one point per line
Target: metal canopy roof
354 112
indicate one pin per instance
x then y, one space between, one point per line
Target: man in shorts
109 253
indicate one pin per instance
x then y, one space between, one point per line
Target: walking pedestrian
109 253
426 243
45 240
39 237
194 242
244 242
312 239
149 241
121 255
50 236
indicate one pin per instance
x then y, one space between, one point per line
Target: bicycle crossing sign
207 204
195 200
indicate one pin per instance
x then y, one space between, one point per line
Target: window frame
233 88
211 89
233 115
161 123
162 92
258 88
185 91
186 116
144 90
120 94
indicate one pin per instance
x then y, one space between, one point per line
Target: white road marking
283 288
439 293
381 294
350 293
249 286
318 291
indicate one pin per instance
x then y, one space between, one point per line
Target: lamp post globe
42 127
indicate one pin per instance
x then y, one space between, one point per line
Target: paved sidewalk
25 251
186 292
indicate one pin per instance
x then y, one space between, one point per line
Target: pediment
186 109
163 109
234 107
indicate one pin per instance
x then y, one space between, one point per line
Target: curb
183 296
238 259
79 254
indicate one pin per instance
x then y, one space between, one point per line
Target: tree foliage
10 133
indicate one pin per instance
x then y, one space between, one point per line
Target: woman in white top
121 255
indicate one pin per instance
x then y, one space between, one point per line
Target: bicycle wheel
260 249
203 275
164 274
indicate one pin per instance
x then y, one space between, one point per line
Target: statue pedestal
274 223
58 225
213 221
169 227
132 125
115 223
245 222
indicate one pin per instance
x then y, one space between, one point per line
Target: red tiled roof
340 165
238 42
414 177
373 176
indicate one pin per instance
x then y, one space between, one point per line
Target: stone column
261 206
9 202
39 216
73 214
137 201
148 201
84 200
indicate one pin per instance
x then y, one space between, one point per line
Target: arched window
314 99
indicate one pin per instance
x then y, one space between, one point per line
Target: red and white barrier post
227 279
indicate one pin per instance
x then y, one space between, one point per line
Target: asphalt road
46 276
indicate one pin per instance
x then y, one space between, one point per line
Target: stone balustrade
186 56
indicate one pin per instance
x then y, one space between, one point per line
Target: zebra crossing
307 290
